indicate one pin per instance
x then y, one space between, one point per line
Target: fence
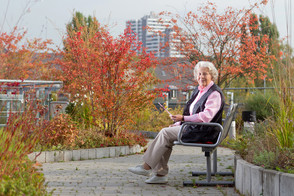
232 95
13 95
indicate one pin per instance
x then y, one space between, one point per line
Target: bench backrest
228 120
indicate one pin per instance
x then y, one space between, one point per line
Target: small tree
89 24
105 74
262 27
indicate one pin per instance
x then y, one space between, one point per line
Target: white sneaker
139 170
157 180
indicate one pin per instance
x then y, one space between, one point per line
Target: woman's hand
177 117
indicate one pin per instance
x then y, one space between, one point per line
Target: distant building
177 83
154 40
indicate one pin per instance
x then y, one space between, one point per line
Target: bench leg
208 174
214 172
211 183
215 161
208 165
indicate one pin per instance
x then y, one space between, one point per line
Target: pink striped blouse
212 106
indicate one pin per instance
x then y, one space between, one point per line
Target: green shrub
89 138
263 148
81 114
17 173
265 159
25 181
60 131
242 144
265 105
278 159
93 138
124 138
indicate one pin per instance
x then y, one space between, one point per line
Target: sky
47 19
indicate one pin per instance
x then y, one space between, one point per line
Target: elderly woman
205 105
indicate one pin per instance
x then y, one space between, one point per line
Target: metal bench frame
210 148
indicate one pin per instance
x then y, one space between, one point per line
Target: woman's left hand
177 117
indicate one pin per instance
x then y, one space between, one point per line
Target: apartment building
154 33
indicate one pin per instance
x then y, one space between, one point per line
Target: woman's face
203 77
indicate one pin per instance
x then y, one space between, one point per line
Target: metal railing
14 92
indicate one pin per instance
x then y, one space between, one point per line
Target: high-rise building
154 33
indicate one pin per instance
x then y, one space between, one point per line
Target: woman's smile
204 77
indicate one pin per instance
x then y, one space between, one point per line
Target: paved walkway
110 176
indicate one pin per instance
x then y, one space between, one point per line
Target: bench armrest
199 144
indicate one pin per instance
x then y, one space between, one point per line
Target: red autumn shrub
61 130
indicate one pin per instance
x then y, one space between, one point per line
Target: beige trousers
159 151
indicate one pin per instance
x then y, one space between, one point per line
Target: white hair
212 70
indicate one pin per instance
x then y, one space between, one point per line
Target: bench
209 148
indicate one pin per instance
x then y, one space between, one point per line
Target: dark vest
200 133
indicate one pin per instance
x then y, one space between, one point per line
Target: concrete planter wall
255 181
84 154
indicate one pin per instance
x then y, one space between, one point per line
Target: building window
173 94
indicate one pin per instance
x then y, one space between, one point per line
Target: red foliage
104 73
224 39
60 131
20 59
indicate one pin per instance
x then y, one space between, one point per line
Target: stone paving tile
110 176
